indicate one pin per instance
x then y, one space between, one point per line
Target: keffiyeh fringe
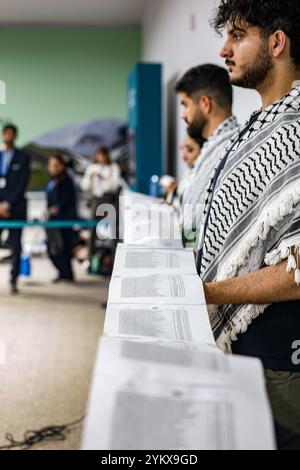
268 220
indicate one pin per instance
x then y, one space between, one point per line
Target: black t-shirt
272 338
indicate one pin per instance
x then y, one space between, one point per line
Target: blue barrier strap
17 224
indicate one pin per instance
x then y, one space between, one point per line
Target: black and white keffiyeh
252 211
194 195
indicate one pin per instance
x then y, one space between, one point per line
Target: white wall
177 33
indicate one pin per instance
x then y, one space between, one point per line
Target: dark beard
195 132
257 72
197 126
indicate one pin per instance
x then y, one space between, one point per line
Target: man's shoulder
21 151
288 129
22 156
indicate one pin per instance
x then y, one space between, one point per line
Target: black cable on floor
32 438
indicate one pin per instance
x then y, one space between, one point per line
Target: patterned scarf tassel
292 264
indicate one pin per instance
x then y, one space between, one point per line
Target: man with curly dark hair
254 28
249 253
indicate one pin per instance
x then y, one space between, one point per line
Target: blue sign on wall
145 114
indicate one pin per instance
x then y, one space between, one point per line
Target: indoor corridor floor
48 341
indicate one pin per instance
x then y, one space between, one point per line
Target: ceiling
104 13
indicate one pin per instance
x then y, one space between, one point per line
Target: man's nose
183 115
226 51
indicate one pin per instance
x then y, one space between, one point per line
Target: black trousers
14 241
62 261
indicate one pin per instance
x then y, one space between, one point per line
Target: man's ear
205 104
279 42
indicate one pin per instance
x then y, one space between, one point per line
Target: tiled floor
48 340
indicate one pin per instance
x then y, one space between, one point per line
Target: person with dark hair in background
191 150
61 203
102 179
206 96
14 177
250 249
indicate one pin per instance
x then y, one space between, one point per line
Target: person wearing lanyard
14 176
249 250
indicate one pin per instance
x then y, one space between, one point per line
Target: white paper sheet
181 323
129 199
157 289
152 225
133 260
166 360
188 402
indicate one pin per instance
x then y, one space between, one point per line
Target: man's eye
237 37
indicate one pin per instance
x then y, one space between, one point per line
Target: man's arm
20 188
266 286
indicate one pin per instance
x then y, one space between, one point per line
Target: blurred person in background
191 150
62 205
14 177
169 186
102 179
206 95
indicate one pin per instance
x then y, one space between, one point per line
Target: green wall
58 76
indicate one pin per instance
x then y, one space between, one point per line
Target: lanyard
2 165
215 181
5 160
